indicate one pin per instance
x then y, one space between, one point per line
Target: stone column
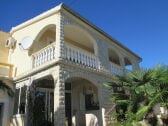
135 65
122 62
30 95
100 118
59 50
59 99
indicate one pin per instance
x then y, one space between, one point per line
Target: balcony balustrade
44 55
73 54
116 69
81 57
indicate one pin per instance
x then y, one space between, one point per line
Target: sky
140 25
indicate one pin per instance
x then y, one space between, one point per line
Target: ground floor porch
59 99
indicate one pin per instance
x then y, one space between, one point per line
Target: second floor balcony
79 49
73 54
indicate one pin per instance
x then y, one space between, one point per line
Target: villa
60 63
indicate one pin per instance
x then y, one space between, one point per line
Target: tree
5 87
138 91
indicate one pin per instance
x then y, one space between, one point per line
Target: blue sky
140 25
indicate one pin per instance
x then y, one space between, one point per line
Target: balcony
81 57
6 70
116 69
43 56
75 55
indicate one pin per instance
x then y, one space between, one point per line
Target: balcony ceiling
78 35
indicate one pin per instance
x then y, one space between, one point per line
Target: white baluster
68 53
35 60
42 57
88 61
84 59
77 56
41 60
76 53
80 58
45 56
90 65
65 52
72 52
53 48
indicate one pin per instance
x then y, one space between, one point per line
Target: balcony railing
73 54
44 55
81 57
6 70
116 69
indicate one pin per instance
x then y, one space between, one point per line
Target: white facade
66 65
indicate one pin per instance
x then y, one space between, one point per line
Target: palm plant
6 88
141 89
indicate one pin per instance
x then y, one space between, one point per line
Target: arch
113 56
43 30
84 94
41 101
44 37
128 63
82 76
42 81
79 37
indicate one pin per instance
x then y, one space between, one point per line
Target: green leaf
142 112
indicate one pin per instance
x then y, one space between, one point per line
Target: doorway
41 102
81 102
68 113
44 108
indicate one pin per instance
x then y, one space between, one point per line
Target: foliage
139 91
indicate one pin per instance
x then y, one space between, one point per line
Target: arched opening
41 102
80 47
128 64
43 47
81 102
44 38
113 57
77 37
115 66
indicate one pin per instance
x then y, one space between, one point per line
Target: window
91 102
91 99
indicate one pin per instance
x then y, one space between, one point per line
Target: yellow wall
32 31
3 51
